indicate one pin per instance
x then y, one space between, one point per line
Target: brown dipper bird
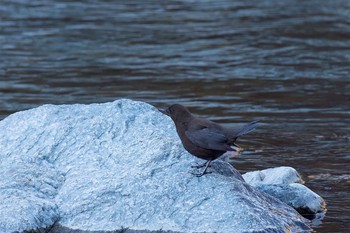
203 138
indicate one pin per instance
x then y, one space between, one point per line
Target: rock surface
104 167
277 175
285 184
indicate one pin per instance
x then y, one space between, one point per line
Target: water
286 63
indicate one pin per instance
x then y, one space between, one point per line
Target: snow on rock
118 165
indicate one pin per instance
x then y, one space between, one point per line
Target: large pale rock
120 165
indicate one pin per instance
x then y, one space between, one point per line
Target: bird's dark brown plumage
203 138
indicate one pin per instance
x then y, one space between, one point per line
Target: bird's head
177 112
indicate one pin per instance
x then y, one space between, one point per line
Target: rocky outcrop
120 165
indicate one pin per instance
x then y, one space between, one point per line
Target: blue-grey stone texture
110 166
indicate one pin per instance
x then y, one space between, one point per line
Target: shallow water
286 63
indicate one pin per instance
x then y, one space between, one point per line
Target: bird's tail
247 128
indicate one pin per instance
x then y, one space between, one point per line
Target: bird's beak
164 111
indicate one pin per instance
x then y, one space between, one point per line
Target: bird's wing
208 138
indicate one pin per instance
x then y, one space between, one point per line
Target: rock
301 198
285 184
278 175
120 165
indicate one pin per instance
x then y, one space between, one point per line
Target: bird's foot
200 174
200 165
206 165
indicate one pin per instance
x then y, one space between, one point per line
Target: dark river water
285 63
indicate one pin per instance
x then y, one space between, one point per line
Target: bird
203 138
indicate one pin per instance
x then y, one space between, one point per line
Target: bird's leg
207 164
200 165
206 167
